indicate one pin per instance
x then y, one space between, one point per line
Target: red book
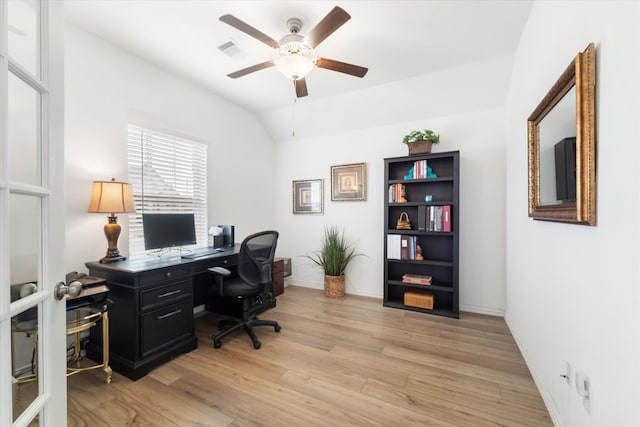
446 218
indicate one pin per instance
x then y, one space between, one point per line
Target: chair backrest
255 258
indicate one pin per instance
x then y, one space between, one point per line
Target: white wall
475 127
105 90
572 291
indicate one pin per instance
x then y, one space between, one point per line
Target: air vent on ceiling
230 49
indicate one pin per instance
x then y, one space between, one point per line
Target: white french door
32 321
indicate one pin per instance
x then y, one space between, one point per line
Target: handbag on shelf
403 222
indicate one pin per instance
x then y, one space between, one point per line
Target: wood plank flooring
336 362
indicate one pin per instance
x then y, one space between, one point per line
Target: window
168 175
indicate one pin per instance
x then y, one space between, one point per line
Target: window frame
168 174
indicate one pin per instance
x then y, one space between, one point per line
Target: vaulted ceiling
395 40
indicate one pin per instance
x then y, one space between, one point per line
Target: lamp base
107 259
112 232
113 255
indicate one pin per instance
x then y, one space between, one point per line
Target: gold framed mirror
562 147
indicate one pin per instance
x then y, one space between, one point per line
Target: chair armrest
220 271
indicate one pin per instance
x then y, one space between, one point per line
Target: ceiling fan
296 58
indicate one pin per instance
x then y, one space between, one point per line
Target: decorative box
420 299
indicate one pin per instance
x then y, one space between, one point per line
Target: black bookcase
439 248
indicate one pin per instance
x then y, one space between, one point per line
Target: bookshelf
439 247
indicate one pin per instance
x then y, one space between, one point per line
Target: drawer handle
168 294
167 274
173 313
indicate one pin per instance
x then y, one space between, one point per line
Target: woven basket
419 299
420 147
334 286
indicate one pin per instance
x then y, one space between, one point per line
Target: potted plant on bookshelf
420 141
335 255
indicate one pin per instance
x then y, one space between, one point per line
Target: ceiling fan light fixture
294 66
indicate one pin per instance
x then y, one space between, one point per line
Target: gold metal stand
84 318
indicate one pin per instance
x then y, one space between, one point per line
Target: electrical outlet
583 387
568 373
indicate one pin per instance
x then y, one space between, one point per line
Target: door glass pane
24 273
24 37
24 239
24 132
24 359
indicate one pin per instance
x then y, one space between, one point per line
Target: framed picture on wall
349 182
308 196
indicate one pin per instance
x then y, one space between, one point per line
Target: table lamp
111 197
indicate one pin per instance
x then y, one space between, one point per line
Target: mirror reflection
557 133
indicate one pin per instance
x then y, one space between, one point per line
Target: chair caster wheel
256 344
277 328
217 344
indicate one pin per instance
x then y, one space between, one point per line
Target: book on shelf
416 279
446 218
436 218
404 248
422 218
393 246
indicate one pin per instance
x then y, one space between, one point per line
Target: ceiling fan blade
327 26
301 88
251 69
341 67
248 29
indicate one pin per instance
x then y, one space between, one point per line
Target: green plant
421 135
336 252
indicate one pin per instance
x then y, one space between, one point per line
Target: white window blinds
168 175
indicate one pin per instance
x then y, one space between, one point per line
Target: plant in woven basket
420 141
421 135
334 257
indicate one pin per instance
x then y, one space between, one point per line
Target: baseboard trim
482 310
549 402
465 307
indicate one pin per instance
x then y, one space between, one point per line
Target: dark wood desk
151 319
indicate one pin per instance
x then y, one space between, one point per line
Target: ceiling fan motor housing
293 44
294 25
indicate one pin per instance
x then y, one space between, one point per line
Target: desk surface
143 263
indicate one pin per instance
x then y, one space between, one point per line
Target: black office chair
255 263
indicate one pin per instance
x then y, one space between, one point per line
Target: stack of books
419 169
397 193
434 218
402 247
416 279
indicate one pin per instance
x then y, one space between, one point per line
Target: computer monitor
164 230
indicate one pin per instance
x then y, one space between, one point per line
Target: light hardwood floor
336 362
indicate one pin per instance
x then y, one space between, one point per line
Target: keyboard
197 253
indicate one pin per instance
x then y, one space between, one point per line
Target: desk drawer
163 327
168 294
175 272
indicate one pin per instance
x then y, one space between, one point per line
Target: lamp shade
111 197
294 66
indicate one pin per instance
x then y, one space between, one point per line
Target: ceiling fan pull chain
293 116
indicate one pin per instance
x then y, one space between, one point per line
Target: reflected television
168 230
